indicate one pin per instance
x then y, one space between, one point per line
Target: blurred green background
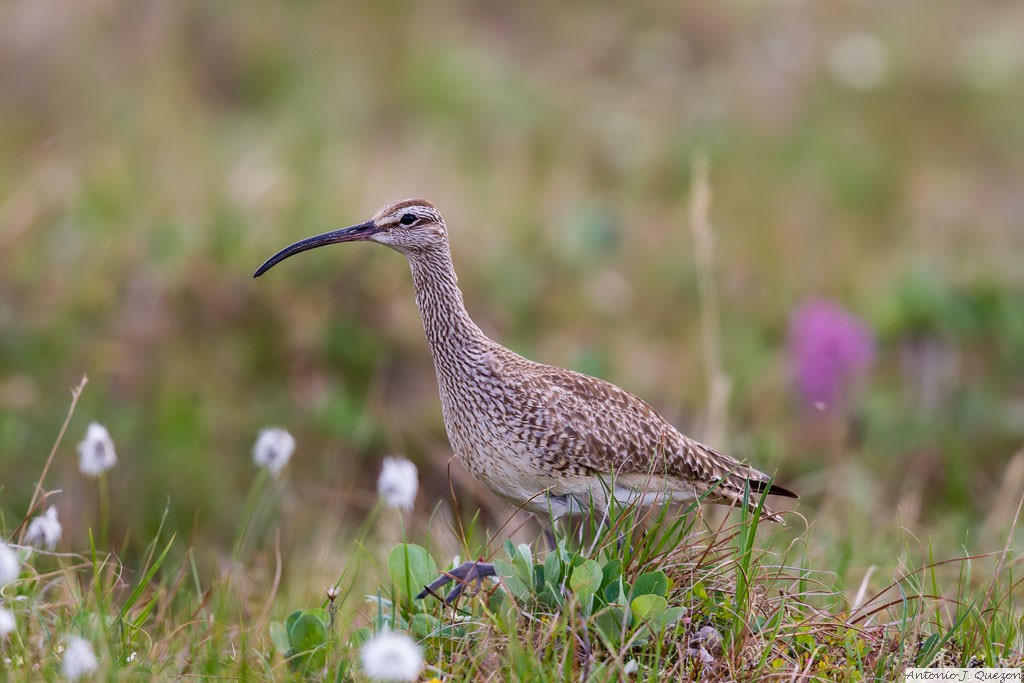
153 153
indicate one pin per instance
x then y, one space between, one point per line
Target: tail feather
770 489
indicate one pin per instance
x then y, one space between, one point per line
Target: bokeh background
864 158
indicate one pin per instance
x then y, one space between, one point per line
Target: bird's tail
766 487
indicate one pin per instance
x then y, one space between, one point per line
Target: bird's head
409 226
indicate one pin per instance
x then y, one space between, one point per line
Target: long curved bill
352 234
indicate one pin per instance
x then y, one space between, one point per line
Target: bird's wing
603 429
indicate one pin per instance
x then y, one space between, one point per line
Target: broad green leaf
504 569
411 568
424 625
497 600
611 622
651 583
523 563
291 619
553 569
307 635
515 585
308 631
647 606
586 578
563 553
614 593
279 636
658 623
551 596
611 571
668 618
538 578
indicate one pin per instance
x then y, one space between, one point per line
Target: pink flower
829 348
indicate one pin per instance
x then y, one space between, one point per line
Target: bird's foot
463 575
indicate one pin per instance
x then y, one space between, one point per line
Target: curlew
550 440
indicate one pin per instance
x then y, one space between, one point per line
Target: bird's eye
407 219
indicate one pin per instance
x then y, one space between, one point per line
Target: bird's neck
451 333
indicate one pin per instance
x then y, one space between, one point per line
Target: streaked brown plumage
552 440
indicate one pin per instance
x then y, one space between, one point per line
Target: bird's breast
499 445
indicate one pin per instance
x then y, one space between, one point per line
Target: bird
550 440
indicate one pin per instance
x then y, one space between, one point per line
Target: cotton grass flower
96 451
44 531
79 659
273 449
392 657
398 483
10 566
7 624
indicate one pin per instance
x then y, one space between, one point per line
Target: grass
644 594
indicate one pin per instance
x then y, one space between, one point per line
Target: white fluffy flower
392 657
44 531
630 668
96 451
273 449
7 624
10 565
79 659
397 483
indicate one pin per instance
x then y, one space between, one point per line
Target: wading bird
550 440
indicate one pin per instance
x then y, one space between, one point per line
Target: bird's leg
550 531
462 576
621 541
549 535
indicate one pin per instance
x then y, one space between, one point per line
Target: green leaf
667 618
279 636
553 569
523 563
651 583
515 585
659 622
564 554
611 622
307 635
291 619
538 578
586 578
645 607
615 593
308 631
411 569
424 625
551 596
585 582
611 571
